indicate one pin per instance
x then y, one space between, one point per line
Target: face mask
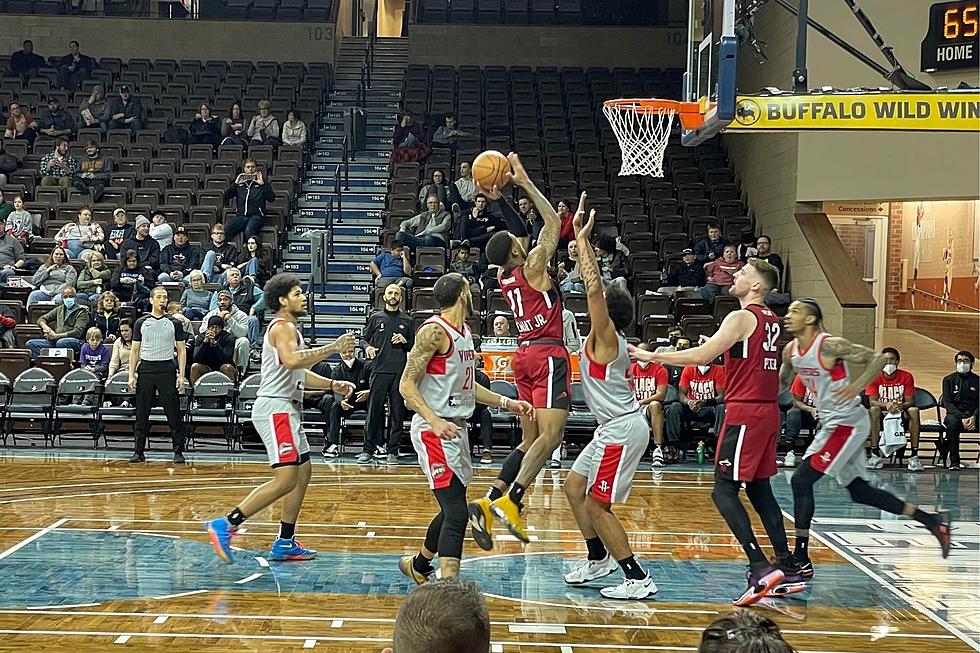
890 368
643 364
69 302
963 368
704 368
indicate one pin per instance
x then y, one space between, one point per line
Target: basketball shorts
610 460
543 373
837 449
746 448
440 459
279 425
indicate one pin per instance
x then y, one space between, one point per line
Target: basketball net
642 128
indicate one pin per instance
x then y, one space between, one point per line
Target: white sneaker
790 459
658 458
876 462
586 570
631 589
332 451
915 465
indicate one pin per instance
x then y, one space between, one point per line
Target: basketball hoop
642 128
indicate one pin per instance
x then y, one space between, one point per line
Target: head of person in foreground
743 631
442 616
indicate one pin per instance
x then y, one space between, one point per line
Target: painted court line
160 620
27 540
248 579
62 606
178 595
310 643
122 639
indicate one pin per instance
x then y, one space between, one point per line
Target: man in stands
180 258
501 327
721 274
146 248
891 397
465 185
236 323
94 171
335 407
118 232
960 399
701 396
479 225
21 125
11 256
250 193
56 121
214 350
442 616
25 63
74 68
125 111
58 167
220 256
686 275
249 299
62 326
392 267
763 245
427 229
650 385
710 248
802 414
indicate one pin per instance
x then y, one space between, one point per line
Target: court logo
747 112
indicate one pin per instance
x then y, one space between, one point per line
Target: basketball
490 169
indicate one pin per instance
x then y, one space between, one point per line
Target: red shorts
543 373
746 448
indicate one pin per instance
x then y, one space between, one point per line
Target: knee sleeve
452 500
804 478
725 494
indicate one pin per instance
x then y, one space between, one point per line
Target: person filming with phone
250 192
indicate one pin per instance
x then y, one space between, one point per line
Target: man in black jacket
686 275
25 63
148 249
960 399
118 232
74 68
335 408
125 111
250 193
387 338
478 225
179 258
214 350
220 256
94 171
56 121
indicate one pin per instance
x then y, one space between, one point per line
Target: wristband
503 401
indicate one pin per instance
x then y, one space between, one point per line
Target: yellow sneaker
507 512
481 523
406 567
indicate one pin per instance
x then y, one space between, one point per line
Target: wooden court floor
96 554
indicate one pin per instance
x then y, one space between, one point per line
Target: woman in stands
105 315
234 124
120 348
54 275
565 214
82 237
264 128
205 129
408 141
128 282
259 265
93 280
294 130
439 187
196 300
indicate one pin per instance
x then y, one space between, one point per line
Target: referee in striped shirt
155 337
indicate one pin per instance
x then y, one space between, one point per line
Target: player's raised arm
603 333
283 336
786 372
536 267
836 348
737 325
431 340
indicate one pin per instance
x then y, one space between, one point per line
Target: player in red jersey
746 451
541 365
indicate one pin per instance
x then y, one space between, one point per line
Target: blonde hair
104 296
767 272
92 332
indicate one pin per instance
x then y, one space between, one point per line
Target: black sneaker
793 579
179 458
943 530
137 458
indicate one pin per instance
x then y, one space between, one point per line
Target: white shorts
610 460
440 459
279 424
837 449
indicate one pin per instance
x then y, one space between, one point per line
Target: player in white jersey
439 385
603 473
825 364
276 416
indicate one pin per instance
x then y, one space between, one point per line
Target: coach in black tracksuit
387 339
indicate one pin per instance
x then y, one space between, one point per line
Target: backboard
712 62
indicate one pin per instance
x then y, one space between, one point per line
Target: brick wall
958 330
893 270
853 238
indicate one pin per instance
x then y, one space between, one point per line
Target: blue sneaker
283 550
220 532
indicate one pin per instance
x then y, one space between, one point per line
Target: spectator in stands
220 256
613 264
205 129
74 68
449 134
720 273
465 186
427 229
335 408
19 223
501 327
6 208
960 399
234 123
94 109
681 343
125 111
250 193
712 247
196 300
565 214
294 130
392 267
743 631
121 348
119 232
802 414
69 319
105 315
387 338
701 393
11 256
258 267
93 280
649 381
8 320
56 121
764 251
21 125
463 265
128 281
569 275
264 127
160 230
94 171
25 63
674 332
407 142
55 275
146 248
179 258
58 167
94 356
174 311
479 225
80 236
214 351
570 333
533 223
249 299
439 187
443 616
688 274
236 323
746 248
892 394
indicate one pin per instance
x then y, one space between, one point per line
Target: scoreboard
952 41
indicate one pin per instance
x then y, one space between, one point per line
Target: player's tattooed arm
431 340
841 349
786 371
538 259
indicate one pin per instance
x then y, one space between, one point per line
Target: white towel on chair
893 436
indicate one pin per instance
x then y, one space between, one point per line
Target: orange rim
689 112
